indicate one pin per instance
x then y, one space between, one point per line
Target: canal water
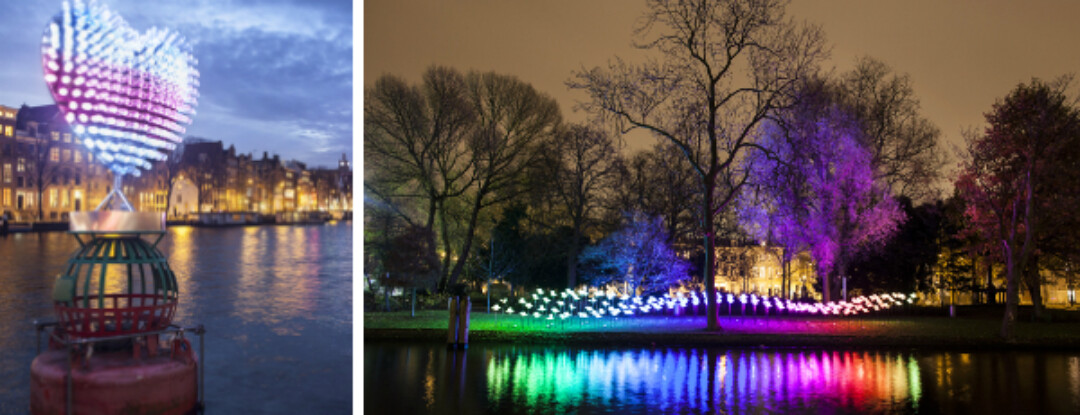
276 302
509 379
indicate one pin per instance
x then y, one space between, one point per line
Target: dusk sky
276 74
961 55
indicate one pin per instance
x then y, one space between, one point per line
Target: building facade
45 173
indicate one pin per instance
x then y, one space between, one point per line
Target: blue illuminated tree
636 256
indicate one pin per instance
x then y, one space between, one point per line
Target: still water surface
276 302
506 379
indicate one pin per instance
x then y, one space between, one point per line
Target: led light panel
128 95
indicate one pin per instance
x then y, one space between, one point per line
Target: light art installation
586 305
127 95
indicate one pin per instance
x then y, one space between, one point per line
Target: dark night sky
276 74
961 55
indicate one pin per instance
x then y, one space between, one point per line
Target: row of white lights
561 305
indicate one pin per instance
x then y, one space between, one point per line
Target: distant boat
301 218
20 227
226 219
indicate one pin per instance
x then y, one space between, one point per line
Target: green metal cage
115 284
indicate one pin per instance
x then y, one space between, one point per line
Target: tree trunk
460 265
445 271
990 280
975 277
1011 300
40 207
1034 285
842 273
710 258
787 279
386 295
826 286
572 256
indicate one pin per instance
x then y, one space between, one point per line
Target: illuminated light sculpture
127 95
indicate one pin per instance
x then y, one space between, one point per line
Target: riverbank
966 333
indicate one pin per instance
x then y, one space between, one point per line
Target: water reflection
512 379
701 380
276 301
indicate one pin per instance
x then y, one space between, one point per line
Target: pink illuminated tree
1011 179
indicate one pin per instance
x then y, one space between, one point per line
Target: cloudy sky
276 75
961 55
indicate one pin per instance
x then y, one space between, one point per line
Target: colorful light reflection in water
704 380
514 379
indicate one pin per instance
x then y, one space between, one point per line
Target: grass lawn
975 331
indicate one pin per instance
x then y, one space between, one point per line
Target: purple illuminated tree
637 256
814 189
717 70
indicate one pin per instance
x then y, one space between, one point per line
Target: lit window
7 197
7 172
22 165
89 157
54 155
53 198
8 131
67 155
78 156
55 136
67 137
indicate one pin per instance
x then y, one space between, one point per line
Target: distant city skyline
276 74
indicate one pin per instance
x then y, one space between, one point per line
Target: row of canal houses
45 172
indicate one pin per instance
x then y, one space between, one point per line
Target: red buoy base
114 383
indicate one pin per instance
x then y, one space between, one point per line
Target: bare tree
588 160
170 171
513 119
659 182
415 135
45 169
904 144
724 67
415 139
1005 175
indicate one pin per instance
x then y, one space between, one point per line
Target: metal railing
173 329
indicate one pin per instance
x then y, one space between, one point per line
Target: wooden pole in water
463 323
451 333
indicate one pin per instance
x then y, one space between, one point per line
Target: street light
1071 285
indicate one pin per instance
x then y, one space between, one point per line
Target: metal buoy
113 348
